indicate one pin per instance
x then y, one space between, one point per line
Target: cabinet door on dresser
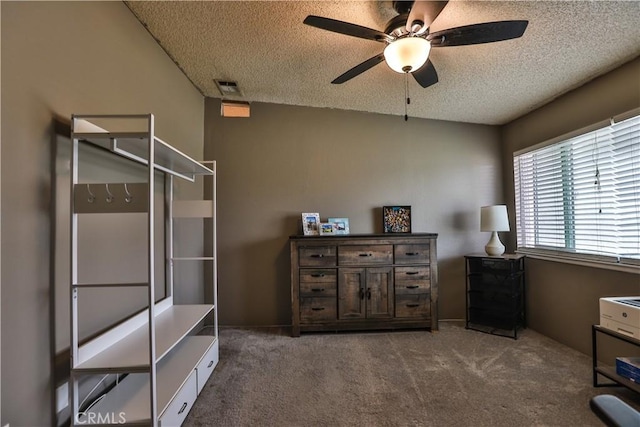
365 293
351 284
379 292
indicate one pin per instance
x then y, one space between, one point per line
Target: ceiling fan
408 40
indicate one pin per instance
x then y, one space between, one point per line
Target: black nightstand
495 292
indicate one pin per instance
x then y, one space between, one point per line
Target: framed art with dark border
396 219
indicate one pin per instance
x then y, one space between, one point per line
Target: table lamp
494 219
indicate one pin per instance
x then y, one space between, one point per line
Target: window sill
607 265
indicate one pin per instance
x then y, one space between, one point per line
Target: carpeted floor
454 377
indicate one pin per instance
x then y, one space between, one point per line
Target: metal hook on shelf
92 197
110 196
128 198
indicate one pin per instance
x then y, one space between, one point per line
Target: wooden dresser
364 281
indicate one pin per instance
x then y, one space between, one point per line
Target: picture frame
341 225
327 229
311 224
396 219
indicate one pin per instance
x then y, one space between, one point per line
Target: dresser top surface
366 236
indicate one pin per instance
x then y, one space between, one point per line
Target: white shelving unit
165 363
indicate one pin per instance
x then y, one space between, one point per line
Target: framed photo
327 229
396 219
311 224
341 225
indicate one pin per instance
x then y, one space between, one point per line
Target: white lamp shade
494 218
407 54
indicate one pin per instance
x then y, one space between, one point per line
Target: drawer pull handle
412 253
317 308
368 293
365 255
210 364
317 289
361 293
184 406
412 273
316 256
412 286
413 305
318 275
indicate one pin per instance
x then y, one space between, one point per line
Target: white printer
621 314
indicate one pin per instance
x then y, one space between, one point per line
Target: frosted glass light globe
408 54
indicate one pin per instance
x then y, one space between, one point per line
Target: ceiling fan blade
487 32
426 11
359 69
426 75
345 28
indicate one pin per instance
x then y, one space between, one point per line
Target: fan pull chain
406 95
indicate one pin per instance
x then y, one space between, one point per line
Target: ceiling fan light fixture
407 54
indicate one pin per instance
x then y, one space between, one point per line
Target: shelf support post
151 275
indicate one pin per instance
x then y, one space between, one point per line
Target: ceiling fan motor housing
402 7
396 27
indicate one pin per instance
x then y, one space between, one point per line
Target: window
580 197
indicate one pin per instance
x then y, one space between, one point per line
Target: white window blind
580 197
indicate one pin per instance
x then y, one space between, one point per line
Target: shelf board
610 372
131 353
131 396
135 146
133 143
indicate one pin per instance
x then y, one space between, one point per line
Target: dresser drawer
318 283
413 306
318 309
181 404
412 280
206 366
365 254
411 254
317 256
318 275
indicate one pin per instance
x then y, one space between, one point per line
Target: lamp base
494 247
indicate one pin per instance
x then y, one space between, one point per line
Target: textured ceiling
275 58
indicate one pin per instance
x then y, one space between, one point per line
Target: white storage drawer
180 406
207 365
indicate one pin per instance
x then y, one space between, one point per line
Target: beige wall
60 58
285 160
563 299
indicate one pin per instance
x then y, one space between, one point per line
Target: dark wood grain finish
411 254
365 254
317 309
318 282
413 306
351 302
318 256
362 282
412 280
